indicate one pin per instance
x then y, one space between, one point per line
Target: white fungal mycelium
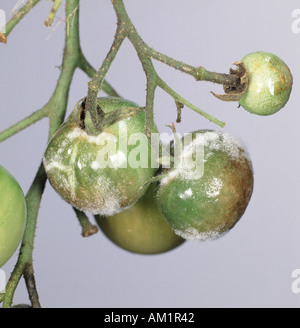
191 161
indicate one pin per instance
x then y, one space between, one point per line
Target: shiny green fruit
101 174
12 215
205 201
270 83
141 229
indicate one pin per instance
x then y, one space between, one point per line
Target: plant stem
88 229
56 109
86 67
145 54
16 128
147 64
185 102
151 77
52 13
18 16
31 286
95 84
33 199
199 73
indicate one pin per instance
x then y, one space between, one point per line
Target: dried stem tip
3 38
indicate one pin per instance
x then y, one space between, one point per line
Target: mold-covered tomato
205 201
101 174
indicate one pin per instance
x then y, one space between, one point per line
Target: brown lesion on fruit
281 85
240 188
236 91
285 76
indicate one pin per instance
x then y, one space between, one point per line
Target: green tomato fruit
270 83
141 229
100 174
204 202
12 215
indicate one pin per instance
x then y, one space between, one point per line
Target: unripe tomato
94 173
270 83
141 229
205 206
12 215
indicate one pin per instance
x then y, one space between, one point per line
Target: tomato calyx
236 91
84 121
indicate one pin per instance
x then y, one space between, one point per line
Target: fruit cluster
201 195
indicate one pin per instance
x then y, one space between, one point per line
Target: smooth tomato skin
12 215
141 229
206 208
270 83
72 164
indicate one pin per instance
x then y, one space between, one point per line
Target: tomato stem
17 18
86 67
147 53
95 84
125 29
26 122
55 109
163 85
52 13
88 229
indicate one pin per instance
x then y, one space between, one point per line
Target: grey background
249 267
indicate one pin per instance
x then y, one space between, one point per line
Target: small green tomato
204 202
100 174
141 229
12 215
270 83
